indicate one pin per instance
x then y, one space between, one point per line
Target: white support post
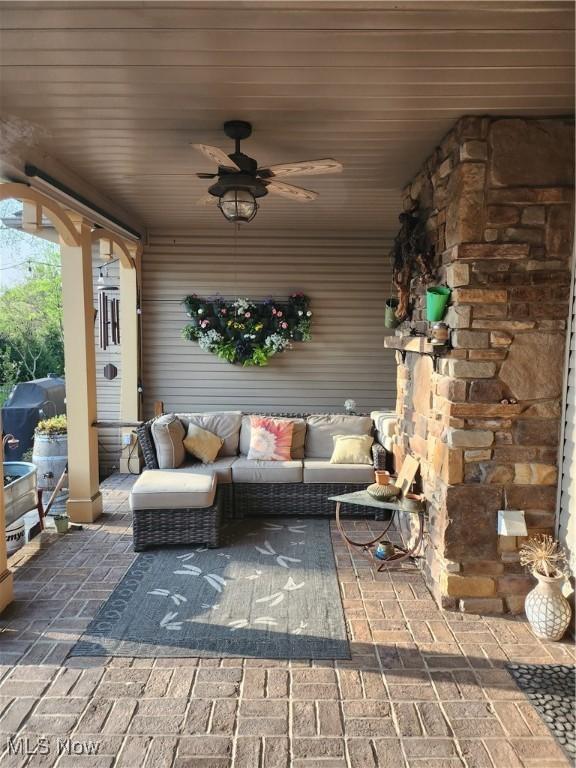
129 396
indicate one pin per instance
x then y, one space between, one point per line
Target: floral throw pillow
270 439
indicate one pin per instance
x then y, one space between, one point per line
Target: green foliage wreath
247 332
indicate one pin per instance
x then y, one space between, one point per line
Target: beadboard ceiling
118 91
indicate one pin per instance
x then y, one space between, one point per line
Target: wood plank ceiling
118 91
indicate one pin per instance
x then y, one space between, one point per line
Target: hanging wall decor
109 325
411 257
247 332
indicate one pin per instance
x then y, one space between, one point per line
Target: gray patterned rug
270 591
551 690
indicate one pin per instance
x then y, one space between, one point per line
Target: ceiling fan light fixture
238 205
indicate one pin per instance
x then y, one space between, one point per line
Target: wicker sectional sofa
299 487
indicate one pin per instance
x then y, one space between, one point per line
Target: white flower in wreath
276 343
210 339
241 306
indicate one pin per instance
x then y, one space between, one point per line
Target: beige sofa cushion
255 471
322 471
222 468
172 489
225 424
322 427
298 437
168 434
385 423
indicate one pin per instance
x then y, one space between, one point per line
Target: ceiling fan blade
207 175
206 200
290 191
302 168
217 155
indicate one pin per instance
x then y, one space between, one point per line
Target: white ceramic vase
547 609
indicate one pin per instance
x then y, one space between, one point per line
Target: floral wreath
247 332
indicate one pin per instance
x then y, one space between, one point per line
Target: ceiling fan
240 182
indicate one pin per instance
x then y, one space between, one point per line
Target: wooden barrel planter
50 455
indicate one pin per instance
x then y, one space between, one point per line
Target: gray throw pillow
168 435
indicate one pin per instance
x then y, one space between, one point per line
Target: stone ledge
418 344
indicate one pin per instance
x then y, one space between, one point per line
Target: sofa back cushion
168 435
225 424
321 429
298 436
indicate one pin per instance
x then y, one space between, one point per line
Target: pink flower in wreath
279 314
284 325
274 310
270 439
246 314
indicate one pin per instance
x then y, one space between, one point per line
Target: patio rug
550 689
270 591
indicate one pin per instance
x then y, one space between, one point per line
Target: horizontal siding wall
347 278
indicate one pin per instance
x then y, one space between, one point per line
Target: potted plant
547 609
62 523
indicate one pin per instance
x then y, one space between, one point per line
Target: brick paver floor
424 688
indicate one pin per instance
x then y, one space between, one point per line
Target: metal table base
400 555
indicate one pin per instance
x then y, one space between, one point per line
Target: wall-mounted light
511 522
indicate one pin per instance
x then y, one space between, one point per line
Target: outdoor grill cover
29 403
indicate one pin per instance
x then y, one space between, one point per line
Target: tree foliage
31 331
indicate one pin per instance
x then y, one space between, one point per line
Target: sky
17 248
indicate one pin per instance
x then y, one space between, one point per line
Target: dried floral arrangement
543 555
247 332
410 258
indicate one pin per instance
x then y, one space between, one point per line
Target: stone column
497 196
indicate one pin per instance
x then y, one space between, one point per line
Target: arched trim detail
53 210
119 247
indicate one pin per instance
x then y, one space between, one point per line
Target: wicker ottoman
174 508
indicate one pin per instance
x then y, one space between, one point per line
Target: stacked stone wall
484 419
